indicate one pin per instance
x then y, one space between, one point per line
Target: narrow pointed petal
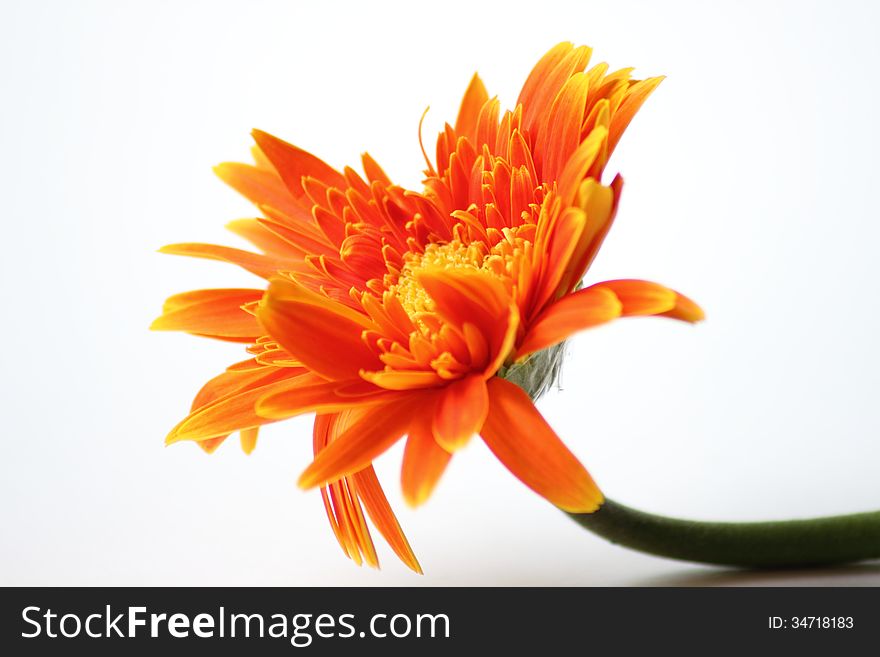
342 503
262 265
599 204
293 164
215 313
572 313
234 411
469 112
373 170
259 186
523 441
211 444
373 431
460 412
541 70
403 379
360 532
566 115
639 297
269 242
424 461
371 494
548 78
507 343
579 163
315 394
635 97
237 377
562 242
685 309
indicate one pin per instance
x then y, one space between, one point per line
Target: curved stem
783 544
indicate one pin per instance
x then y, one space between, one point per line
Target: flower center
452 255
502 261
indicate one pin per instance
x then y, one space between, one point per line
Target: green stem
783 544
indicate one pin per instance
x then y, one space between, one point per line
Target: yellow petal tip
686 310
590 504
306 481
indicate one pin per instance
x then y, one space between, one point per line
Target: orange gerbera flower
434 315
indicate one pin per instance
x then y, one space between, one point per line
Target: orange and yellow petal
523 441
371 431
639 297
461 410
471 105
215 313
371 494
236 410
248 439
311 393
343 502
572 313
260 186
264 266
293 164
424 461
477 299
322 334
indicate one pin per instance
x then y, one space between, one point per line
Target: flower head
434 315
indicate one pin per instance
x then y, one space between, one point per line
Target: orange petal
372 431
562 240
573 312
342 501
599 203
548 78
523 441
237 377
234 411
357 524
370 492
354 535
469 112
256 263
471 297
259 186
564 127
316 394
215 313
305 237
293 164
508 340
423 461
685 310
211 444
248 439
403 379
579 163
261 236
342 504
636 95
373 170
460 412
640 297
321 333
541 70
646 298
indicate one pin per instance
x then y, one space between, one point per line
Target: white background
750 186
